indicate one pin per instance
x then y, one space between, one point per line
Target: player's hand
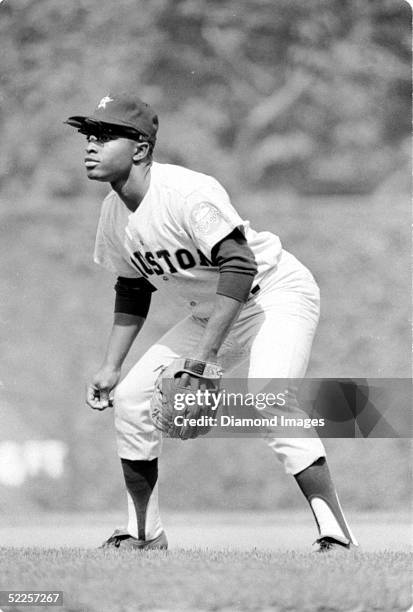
99 389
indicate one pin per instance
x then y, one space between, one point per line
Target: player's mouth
90 162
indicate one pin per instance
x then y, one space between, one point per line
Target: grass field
215 562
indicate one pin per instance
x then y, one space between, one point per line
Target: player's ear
141 151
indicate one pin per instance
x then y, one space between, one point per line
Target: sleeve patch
206 217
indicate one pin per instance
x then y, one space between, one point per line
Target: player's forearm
224 315
237 270
124 331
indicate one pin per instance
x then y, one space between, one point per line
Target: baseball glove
184 401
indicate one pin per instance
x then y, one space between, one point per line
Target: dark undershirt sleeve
133 296
237 266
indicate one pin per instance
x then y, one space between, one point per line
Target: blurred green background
302 110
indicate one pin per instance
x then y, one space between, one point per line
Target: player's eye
101 137
106 136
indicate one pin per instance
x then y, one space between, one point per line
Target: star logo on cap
104 101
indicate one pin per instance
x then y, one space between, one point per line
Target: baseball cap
124 114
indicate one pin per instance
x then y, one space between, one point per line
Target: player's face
109 159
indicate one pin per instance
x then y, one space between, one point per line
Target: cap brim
76 122
82 122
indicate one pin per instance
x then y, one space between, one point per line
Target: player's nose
91 146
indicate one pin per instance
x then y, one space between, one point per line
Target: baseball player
247 302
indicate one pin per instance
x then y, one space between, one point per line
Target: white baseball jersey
169 238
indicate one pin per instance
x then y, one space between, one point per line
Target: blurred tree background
313 96
303 111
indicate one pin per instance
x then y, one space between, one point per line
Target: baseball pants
271 339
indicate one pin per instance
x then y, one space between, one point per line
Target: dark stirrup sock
140 478
316 484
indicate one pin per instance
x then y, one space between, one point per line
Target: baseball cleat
331 544
123 539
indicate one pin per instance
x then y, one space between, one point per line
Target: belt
255 289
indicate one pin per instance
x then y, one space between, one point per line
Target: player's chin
96 174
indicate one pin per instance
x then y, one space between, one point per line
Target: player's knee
127 397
